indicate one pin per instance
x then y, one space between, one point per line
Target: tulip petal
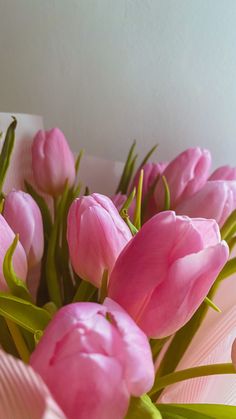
96 389
224 173
139 371
217 199
189 279
23 394
145 261
185 175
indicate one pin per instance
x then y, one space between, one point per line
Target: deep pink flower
24 217
96 234
185 175
166 270
93 357
217 199
52 161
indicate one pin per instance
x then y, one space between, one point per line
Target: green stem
202 371
138 208
18 340
103 290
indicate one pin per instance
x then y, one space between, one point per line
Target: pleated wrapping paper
23 394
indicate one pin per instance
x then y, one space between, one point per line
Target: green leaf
167 194
5 156
6 340
127 171
142 408
128 201
23 313
211 304
16 285
197 411
78 160
228 270
124 214
147 157
103 288
47 219
85 291
138 206
228 228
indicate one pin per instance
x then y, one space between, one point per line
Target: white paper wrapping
20 167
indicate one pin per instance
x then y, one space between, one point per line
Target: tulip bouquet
101 297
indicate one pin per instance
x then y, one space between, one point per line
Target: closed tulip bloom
224 173
52 161
185 175
165 272
24 217
19 257
217 199
96 234
93 358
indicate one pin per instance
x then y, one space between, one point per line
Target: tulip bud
24 217
163 274
96 234
217 199
224 173
19 258
102 356
185 175
52 161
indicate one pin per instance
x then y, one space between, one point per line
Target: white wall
109 71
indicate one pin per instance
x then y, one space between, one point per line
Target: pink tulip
166 270
52 161
224 173
96 234
23 392
93 357
185 175
217 199
24 217
19 258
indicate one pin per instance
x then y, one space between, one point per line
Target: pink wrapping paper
20 167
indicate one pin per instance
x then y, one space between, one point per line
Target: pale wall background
109 71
